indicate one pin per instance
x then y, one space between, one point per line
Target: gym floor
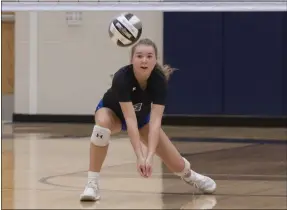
44 166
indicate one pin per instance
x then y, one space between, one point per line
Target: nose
144 60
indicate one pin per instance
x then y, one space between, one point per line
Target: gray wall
74 63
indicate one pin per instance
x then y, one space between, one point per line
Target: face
144 60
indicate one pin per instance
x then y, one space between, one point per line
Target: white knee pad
100 136
185 170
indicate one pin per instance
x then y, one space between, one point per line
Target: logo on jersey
134 88
138 107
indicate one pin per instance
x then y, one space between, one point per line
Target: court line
218 150
229 140
70 188
126 163
252 140
207 174
250 175
147 192
47 180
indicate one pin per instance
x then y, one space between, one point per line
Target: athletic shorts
124 125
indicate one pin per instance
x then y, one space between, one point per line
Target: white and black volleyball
125 30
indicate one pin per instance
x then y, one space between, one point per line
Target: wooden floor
45 166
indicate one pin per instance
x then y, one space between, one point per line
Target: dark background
231 63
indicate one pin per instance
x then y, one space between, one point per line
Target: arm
158 91
154 128
122 87
132 128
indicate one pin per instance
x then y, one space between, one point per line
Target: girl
135 103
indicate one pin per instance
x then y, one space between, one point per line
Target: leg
165 150
107 123
104 118
176 163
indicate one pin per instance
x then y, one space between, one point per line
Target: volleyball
125 30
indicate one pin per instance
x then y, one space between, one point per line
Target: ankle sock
93 176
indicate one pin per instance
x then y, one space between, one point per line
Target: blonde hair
167 70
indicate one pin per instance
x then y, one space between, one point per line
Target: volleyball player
135 103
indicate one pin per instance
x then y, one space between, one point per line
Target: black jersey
125 88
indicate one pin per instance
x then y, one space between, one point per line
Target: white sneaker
91 192
203 183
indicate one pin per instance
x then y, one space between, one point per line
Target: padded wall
192 43
230 63
253 63
284 70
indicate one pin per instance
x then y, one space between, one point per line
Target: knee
100 136
101 131
105 123
103 120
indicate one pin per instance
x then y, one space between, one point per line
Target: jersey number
138 107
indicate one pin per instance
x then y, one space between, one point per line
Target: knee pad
185 170
100 136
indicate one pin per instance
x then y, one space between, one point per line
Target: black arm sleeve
158 88
122 87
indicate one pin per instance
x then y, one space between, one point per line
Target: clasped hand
144 165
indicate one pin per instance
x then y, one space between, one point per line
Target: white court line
230 175
248 175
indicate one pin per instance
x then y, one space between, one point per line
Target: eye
139 56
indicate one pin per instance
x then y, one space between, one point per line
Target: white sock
193 176
93 176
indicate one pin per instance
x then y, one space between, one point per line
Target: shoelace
93 185
192 183
202 183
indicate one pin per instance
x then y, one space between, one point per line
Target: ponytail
167 70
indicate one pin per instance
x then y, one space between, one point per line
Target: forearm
153 137
133 133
